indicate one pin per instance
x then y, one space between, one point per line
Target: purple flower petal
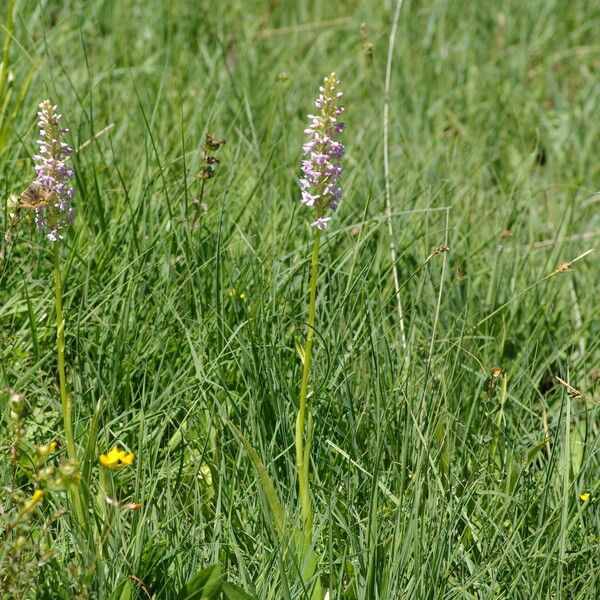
321 168
53 172
321 223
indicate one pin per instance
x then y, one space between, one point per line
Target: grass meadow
455 448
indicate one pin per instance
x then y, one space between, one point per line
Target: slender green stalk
302 450
67 407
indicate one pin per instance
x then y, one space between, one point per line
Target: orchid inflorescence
54 173
321 167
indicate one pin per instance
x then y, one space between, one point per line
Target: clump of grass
24 523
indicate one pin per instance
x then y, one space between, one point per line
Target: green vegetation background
429 479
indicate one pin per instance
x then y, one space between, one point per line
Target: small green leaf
577 447
307 561
154 567
123 591
233 592
205 585
266 482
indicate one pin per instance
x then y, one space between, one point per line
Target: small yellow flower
584 496
38 496
242 296
115 458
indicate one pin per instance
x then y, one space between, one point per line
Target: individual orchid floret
321 166
54 173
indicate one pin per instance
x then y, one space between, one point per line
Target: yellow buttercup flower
38 496
584 496
116 458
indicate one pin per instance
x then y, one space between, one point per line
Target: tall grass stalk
8 34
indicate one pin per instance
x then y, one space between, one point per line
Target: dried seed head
438 250
563 267
496 372
212 144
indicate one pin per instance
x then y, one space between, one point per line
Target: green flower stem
67 406
302 451
107 490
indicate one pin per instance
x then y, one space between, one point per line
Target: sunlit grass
460 467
